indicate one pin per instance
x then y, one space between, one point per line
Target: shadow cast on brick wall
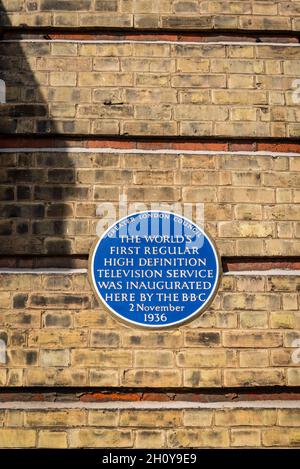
36 188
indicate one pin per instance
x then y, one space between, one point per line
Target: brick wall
109 89
147 14
251 201
168 101
57 334
77 426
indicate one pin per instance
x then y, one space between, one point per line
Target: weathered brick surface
55 339
146 89
51 203
56 333
153 14
165 428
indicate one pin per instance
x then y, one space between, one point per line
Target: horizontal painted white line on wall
170 42
271 272
44 271
135 151
150 405
236 273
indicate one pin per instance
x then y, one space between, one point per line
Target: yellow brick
207 438
62 78
198 161
206 179
49 439
149 439
195 97
227 320
57 338
56 377
258 339
282 320
245 128
64 19
237 66
290 301
254 320
257 358
151 50
110 64
283 437
243 114
285 229
243 52
148 128
218 212
245 417
145 377
281 357
154 177
245 438
260 377
290 337
201 113
281 247
229 7
24 282
93 318
202 378
54 358
243 229
153 194
98 20
101 377
62 110
192 194
2 417
239 97
92 357
289 417
264 8
14 418
195 128
150 162
5 299
241 195
65 49
105 79
240 81
14 378
197 418
205 358
293 377
251 301
256 22
103 418
250 283
283 283
151 418
284 195
17 438
155 359
67 63
94 438
192 65
56 418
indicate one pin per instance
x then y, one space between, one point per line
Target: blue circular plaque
155 269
